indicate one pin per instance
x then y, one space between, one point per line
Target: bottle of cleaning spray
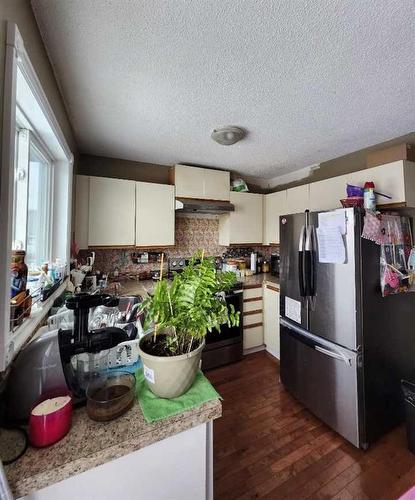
369 197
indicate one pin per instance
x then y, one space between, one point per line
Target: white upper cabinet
201 183
188 181
396 179
216 185
123 213
298 199
244 225
81 222
111 212
326 195
155 214
275 204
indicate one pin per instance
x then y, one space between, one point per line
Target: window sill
25 331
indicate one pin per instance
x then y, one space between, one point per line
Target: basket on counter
352 201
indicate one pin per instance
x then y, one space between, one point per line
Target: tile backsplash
191 234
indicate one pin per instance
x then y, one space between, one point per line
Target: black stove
226 346
177 264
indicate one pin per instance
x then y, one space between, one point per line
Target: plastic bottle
253 262
369 197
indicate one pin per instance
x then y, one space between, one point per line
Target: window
32 217
32 214
35 190
38 242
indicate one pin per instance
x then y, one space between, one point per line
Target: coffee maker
60 360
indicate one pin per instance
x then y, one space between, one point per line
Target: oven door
228 335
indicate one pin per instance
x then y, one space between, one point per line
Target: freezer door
333 311
323 377
292 242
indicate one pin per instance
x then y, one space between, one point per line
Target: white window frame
17 61
26 140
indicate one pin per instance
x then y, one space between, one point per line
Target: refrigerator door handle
311 256
309 264
332 354
301 257
313 261
311 340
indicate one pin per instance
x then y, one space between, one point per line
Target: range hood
188 205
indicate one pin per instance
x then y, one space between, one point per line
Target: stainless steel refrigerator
344 348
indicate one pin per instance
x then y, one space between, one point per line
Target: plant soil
159 346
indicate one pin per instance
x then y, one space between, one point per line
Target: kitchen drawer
255 305
250 293
252 319
253 337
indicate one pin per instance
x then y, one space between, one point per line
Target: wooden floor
266 445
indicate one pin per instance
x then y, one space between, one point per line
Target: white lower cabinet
261 318
176 468
253 337
271 301
253 333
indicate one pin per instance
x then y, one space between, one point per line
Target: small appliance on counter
62 360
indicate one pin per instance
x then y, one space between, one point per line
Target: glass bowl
110 395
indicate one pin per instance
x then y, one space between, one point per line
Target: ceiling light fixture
228 135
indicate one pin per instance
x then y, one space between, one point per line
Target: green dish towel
155 408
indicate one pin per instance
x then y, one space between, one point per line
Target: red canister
50 420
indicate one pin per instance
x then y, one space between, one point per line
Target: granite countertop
257 280
143 288
89 444
133 287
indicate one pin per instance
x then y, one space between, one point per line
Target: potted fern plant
182 312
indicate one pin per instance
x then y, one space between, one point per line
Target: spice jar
265 267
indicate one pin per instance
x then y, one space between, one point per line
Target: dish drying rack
124 355
18 312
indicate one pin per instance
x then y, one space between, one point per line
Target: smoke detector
228 135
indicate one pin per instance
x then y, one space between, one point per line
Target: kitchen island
124 458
